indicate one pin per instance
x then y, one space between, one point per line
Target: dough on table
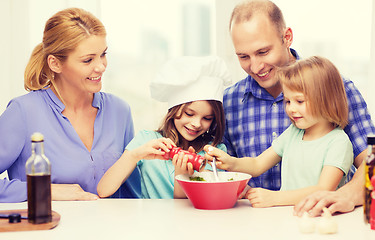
306 224
327 224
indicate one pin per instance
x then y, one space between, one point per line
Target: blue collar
60 106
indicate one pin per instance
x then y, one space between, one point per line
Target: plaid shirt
254 119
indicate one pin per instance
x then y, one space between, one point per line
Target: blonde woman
85 130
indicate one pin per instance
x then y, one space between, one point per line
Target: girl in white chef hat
193 88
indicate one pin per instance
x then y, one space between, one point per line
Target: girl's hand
223 160
181 164
260 197
244 192
154 149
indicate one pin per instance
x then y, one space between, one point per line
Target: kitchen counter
177 219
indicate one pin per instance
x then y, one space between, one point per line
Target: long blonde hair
321 83
62 34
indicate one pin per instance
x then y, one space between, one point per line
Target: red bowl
213 195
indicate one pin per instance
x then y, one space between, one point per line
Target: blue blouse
71 162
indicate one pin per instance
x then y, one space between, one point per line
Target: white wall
14 45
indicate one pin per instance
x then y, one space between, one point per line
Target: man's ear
288 37
54 64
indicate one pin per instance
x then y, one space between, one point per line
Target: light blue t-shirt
303 161
71 162
157 176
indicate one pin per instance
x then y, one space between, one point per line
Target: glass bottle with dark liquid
369 188
38 172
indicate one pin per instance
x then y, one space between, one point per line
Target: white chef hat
187 79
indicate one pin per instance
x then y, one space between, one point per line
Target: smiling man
254 108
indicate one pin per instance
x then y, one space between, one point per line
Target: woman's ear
54 64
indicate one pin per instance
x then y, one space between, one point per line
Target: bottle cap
371 140
37 137
14 218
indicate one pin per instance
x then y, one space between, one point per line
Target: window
141 37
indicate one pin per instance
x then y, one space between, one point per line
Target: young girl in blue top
316 152
193 88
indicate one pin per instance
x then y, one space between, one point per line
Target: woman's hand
71 192
223 160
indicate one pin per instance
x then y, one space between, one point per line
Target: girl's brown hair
321 83
214 135
62 34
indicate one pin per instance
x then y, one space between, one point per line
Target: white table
177 219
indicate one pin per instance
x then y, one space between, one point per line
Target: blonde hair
245 10
215 133
321 83
62 34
